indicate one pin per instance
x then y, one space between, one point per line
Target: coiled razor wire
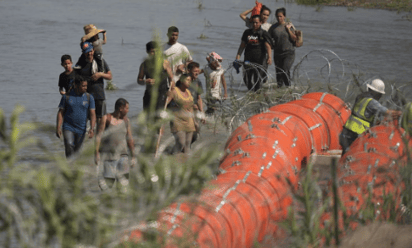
318 70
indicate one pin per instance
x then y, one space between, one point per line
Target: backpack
299 35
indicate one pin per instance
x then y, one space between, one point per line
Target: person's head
122 107
172 34
194 69
88 51
151 47
66 62
91 32
264 13
281 15
185 81
80 84
256 22
214 60
376 88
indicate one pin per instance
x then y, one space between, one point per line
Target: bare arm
224 85
169 96
291 32
269 51
59 122
244 14
240 50
92 122
62 91
104 38
101 126
105 75
200 103
140 77
394 114
168 68
129 138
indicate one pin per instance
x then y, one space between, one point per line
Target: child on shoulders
92 36
215 79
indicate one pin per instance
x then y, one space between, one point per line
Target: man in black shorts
95 76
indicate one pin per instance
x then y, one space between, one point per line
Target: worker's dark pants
346 138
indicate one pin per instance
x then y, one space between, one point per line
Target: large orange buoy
369 171
262 159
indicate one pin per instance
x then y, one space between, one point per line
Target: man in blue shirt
74 109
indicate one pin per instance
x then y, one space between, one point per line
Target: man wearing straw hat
364 112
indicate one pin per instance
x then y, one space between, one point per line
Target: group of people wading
172 81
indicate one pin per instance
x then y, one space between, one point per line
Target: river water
34 35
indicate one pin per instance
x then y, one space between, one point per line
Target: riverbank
398 5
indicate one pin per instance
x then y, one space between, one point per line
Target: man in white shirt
177 54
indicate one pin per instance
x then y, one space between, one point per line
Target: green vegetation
110 85
398 5
52 204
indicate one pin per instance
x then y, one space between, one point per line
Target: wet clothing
100 108
255 52
283 64
283 53
213 95
182 111
254 76
72 142
196 90
213 77
149 72
176 54
183 140
76 110
114 163
66 82
113 143
364 114
114 169
96 88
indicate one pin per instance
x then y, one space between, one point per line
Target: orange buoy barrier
371 169
262 159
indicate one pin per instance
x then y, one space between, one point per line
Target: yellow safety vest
357 122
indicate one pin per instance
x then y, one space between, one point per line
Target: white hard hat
377 85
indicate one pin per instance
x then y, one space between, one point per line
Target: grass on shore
397 5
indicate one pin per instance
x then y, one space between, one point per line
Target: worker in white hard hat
364 112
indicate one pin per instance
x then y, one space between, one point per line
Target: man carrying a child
95 76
